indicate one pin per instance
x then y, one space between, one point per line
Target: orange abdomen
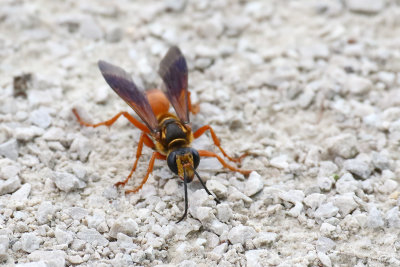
158 101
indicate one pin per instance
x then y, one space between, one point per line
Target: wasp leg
144 139
111 121
205 153
194 108
156 155
201 131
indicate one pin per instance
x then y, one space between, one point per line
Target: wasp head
183 161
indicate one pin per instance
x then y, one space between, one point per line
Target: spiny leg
154 156
111 121
144 139
202 130
205 153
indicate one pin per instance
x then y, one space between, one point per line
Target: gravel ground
311 89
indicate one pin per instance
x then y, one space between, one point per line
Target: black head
183 161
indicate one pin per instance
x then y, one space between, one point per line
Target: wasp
169 135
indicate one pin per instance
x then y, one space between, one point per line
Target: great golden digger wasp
167 134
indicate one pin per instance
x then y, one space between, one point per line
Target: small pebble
240 234
380 161
28 133
358 167
224 212
45 212
91 236
375 219
325 183
292 196
67 182
393 218
30 242
345 203
280 162
388 187
9 149
54 258
325 260
126 226
220 190
365 6
90 29
63 237
325 244
77 213
325 211
40 117
347 184
358 85
314 200
254 184
10 185
265 239
343 145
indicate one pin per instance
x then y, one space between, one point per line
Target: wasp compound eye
171 161
196 157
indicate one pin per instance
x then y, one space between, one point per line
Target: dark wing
173 70
121 82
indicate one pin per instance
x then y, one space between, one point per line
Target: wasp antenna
205 187
185 180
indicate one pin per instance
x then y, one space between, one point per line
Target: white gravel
310 89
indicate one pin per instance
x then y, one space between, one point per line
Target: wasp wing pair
170 135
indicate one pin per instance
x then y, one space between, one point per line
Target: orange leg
205 153
156 155
111 121
194 108
144 139
201 131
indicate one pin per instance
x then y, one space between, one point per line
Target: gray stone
265 239
224 212
365 6
325 211
325 260
45 212
296 210
375 219
380 161
30 242
347 184
40 117
9 149
358 167
393 218
314 200
124 225
10 185
343 145
90 29
345 203
388 187
292 196
4 244
77 213
54 134
22 193
28 133
358 85
325 244
125 242
9 171
254 258
220 190
92 236
63 237
67 182
52 258
240 234
325 183
81 146
254 184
